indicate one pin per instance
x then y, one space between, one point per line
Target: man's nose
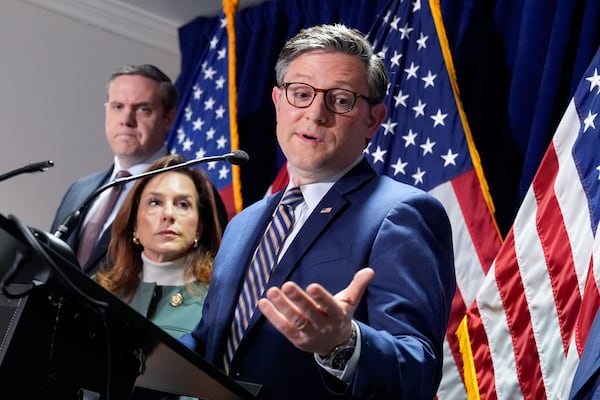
128 117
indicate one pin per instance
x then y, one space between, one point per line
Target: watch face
340 359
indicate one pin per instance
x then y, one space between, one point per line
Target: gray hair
336 38
168 92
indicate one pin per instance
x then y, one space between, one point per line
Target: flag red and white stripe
523 336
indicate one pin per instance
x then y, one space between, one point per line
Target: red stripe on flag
518 318
481 355
456 314
478 217
229 200
280 181
587 312
553 236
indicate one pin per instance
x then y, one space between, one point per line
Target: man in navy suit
357 304
140 110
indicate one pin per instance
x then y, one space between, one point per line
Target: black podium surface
62 336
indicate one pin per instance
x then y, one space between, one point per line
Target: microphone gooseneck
41 166
237 157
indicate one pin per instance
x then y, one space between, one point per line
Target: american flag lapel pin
326 210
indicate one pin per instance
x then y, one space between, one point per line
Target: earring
195 243
135 239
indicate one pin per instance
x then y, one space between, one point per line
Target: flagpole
230 8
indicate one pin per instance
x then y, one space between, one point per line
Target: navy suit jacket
364 220
72 200
586 383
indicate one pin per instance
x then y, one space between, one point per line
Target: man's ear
276 95
376 116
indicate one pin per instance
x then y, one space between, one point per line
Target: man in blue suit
586 383
140 110
357 303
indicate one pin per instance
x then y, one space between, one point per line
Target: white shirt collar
138 168
314 192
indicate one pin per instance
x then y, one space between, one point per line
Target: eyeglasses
339 101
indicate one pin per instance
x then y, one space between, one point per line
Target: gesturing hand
315 320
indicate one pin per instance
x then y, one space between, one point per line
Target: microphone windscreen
238 157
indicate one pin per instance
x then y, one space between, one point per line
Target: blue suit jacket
586 383
364 220
72 200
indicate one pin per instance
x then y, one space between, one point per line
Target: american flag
202 127
425 141
531 318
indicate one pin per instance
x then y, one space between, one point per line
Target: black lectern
62 336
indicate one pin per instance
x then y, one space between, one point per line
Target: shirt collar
141 167
314 192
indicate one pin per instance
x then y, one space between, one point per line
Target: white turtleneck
168 273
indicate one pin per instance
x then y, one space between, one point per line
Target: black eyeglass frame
325 92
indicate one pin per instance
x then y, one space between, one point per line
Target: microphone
34 167
237 157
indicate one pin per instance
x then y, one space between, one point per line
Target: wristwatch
339 356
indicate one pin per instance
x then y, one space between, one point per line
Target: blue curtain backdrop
517 65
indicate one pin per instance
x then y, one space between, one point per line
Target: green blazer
173 308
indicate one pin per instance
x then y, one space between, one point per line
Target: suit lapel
98 252
316 223
332 204
93 184
233 262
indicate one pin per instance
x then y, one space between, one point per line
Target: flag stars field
203 128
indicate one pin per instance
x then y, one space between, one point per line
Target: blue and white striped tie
260 269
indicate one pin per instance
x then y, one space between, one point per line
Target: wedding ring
302 325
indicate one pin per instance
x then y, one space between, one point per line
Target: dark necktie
91 230
260 269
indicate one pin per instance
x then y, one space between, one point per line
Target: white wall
53 72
